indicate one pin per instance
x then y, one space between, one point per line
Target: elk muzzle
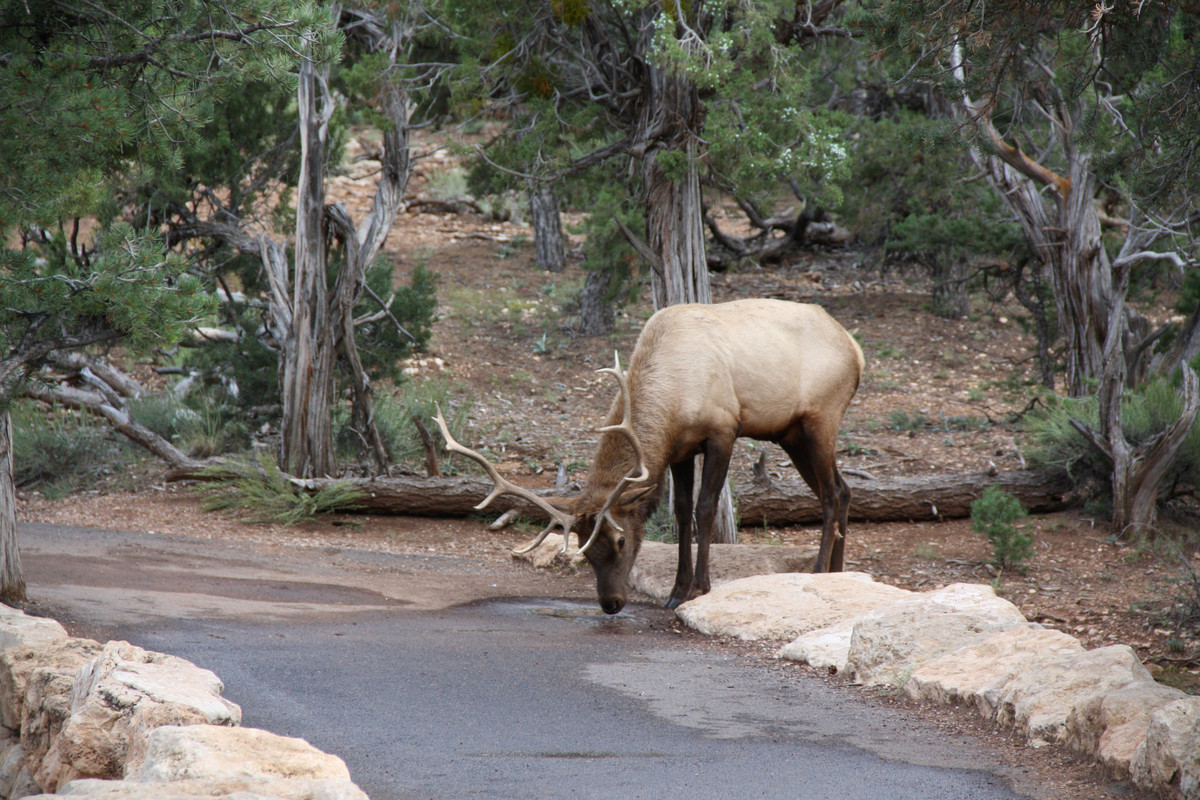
612 604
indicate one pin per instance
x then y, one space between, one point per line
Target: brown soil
503 343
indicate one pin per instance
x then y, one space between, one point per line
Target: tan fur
749 366
700 377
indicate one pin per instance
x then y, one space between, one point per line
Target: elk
700 377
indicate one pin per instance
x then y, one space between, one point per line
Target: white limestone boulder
1168 760
207 789
1111 726
37 685
976 675
14 775
825 648
889 643
60 658
206 752
1039 702
783 606
18 629
117 700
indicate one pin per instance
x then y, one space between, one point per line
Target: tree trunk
1035 303
1083 281
595 312
307 361
1137 471
319 320
950 299
12 577
675 232
548 237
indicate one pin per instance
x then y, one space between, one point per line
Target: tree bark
319 319
675 229
548 237
12 577
923 498
307 362
595 312
1137 471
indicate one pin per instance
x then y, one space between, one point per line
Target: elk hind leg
843 502
683 476
814 454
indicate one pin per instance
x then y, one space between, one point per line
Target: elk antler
638 473
558 517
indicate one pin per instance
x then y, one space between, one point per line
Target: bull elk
700 377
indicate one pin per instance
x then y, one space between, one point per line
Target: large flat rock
891 642
784 606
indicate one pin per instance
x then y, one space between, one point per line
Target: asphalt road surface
438 677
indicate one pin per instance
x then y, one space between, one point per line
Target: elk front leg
683 475
717 453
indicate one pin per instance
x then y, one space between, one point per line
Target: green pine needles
263 492
993 515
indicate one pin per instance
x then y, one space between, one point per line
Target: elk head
616 523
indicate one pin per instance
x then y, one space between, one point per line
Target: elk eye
621 543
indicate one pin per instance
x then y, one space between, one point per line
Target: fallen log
926 497
923 497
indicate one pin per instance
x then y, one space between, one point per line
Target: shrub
242 374
380 343
56 451
903 421
201 426
394 415
993 515
1052 442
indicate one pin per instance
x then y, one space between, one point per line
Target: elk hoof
673 603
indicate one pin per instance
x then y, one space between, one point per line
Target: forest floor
938 396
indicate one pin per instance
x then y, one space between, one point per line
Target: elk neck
614 456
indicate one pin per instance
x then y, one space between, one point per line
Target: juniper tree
90 94
1084 119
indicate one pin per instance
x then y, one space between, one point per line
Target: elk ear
640 495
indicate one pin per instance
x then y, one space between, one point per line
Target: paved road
514 694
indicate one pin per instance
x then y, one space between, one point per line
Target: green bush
903 421
380 343
243 375
993 515
1052 442
200 426
394 415
57 451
